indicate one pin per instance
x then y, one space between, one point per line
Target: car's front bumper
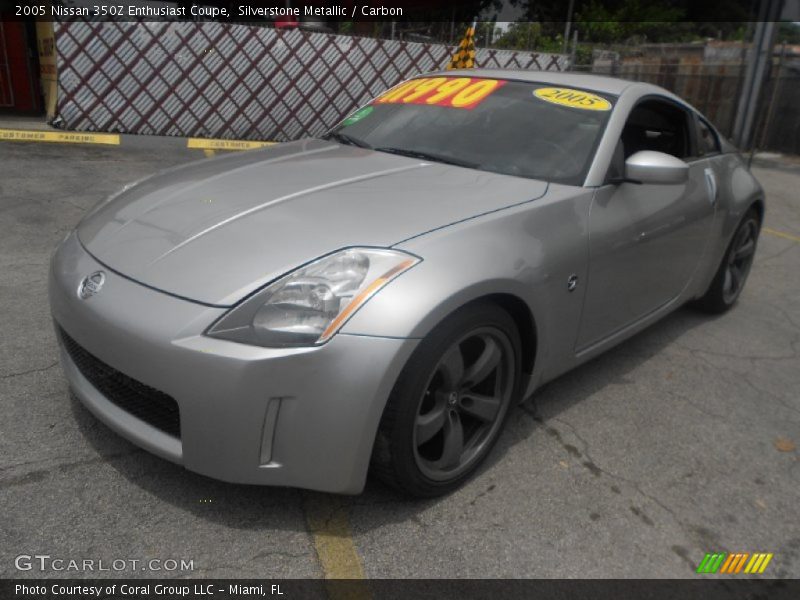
300 417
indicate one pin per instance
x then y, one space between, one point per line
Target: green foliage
583 54
640 20
520 36
527 35
789 33
484 31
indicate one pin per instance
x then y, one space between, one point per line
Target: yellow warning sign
64 137
572 98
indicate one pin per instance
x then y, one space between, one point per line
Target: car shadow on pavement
248 506
234 506
532 416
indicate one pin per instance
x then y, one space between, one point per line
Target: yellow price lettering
474 93
397 92
423 88
448 89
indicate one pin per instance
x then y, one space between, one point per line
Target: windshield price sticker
572 98
452 92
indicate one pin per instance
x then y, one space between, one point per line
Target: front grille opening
143 402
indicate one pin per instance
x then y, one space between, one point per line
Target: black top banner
285 13
409 589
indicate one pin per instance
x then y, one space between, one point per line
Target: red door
19 90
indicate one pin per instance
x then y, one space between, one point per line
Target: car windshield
510 127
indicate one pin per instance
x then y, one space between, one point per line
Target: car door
645 240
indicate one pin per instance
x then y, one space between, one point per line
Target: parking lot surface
679 442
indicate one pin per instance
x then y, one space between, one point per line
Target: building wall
19 90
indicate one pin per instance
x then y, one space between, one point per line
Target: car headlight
309 305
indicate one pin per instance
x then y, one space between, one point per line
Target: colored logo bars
734 563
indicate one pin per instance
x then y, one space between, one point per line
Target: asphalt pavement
679 442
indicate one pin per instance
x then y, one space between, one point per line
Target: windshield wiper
429 156
343 138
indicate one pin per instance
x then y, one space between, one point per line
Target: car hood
217 230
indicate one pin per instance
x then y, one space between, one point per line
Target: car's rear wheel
735 267
449 404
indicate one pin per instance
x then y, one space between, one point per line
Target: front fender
528 252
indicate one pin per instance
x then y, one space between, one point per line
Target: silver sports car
379 298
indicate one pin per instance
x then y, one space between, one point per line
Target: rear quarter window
707 140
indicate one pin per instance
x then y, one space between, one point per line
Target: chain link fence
715 90
778 127
236 81
710 77
711 88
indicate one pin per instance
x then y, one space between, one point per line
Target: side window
657 125
707 140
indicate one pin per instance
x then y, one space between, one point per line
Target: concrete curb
773 160
27 132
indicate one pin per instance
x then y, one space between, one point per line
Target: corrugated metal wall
235 81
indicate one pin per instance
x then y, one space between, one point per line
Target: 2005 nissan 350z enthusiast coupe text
377 299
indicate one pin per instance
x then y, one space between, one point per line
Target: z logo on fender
453 92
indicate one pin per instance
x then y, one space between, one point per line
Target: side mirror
648 166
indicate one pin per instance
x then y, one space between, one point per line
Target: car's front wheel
449 404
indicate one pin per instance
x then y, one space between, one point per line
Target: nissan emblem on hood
91 284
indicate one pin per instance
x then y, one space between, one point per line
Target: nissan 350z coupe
377 299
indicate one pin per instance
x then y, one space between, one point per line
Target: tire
450 402
732 273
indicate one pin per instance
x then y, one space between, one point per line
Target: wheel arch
517 308
760 206
521 313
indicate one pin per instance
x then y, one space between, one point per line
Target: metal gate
235 81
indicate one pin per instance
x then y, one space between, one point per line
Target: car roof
596 83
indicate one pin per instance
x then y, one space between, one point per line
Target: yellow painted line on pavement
212 144
328 521
781 234
64 137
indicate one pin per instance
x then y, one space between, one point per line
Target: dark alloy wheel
450 402
732 272
463 403
740 258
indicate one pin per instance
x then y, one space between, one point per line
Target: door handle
711 182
